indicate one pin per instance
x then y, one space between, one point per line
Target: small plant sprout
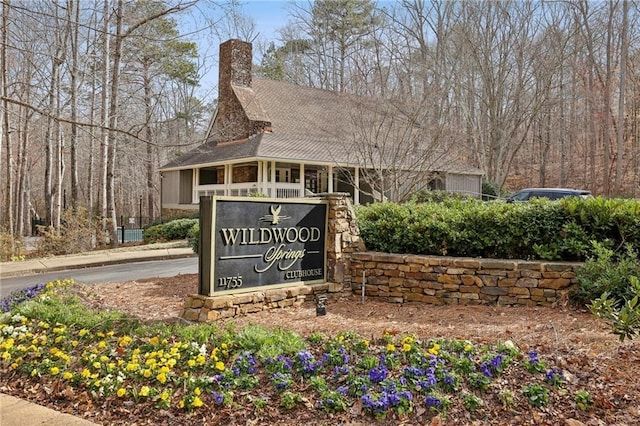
536 394
506 398
471 401
583 400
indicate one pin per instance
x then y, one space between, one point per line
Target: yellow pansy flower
434 349
124 341
144 391
197 402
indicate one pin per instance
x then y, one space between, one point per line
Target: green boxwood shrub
194 237
539 229
175 230
606 271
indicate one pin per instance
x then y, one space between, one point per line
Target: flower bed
204 371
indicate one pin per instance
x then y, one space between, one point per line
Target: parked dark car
550 193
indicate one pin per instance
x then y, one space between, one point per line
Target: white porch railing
285 190
282 190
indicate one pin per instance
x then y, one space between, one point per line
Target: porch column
228 177
302 188
265 177
194 186
330 179
356 186
273 180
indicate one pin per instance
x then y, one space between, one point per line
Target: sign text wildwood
249 243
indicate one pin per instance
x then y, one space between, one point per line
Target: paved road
105 274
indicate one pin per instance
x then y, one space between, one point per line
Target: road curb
37 266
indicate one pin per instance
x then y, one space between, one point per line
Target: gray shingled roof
308 124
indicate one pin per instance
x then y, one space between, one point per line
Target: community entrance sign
250 243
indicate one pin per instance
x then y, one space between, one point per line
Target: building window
436 182
186 186
245 173
208 176
283 175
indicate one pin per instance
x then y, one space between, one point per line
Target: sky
268 16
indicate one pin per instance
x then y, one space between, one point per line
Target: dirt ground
571 339
161 299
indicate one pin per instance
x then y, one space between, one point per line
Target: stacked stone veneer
343 240
207 309
465 281
398 278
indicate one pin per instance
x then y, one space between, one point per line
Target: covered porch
182 189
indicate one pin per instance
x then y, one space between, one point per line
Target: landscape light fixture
321 304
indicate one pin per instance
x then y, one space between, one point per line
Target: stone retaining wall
343 239
399 278
466 281
207 309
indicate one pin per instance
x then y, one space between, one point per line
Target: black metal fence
129 235
129 229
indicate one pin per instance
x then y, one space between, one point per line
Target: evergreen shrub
194 238
175 230
539 229
606 271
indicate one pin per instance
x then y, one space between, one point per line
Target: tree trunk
74 10
113 124
624 52
4 129
104 116
148 136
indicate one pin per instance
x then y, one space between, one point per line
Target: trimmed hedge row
178 229
540 229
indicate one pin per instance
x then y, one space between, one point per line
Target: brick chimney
235 69
232 122
235 66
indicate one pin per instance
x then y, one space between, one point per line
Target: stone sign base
211 308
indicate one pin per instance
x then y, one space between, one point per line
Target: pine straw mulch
570 339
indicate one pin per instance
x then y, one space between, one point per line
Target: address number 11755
230 282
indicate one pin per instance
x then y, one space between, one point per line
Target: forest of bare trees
95 95
538 93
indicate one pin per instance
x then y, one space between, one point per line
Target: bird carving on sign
275 211
275 217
